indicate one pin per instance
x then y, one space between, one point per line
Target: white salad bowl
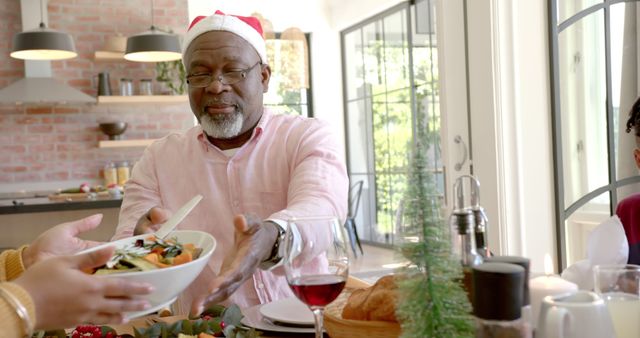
168 282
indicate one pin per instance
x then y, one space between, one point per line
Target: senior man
254 169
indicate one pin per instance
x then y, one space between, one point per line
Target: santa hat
247 27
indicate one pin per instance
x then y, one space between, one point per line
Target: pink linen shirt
291 167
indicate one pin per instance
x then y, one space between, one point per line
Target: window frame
562 211
308 91
368 98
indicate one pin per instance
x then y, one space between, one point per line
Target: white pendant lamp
153 45
43 43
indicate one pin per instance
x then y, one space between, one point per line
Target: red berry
222 325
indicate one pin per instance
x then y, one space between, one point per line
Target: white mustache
218 101
204 109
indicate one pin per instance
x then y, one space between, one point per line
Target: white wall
308 15
522 165
533 105
343 14
453 95
510 119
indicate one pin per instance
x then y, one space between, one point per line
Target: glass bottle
126 87
481 219
110 174
145 87
480 230
497 304
464 221
124 172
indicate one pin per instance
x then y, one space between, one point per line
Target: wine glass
619 286
316 262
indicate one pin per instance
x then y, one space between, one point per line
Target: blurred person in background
628 209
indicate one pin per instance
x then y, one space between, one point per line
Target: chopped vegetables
149 254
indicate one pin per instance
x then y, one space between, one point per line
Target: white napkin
580 273
606 244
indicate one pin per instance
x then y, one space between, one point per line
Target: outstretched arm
57 241
60 281
252 245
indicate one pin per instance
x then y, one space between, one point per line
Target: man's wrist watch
275 257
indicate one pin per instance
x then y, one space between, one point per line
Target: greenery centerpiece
432 301
215 321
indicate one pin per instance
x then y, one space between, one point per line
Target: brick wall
60 143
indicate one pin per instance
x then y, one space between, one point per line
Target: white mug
580 314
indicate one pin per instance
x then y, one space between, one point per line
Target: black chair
355 191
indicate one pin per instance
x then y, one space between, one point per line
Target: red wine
317 290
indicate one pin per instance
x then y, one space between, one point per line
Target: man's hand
64 295
253 241
151 221
61 240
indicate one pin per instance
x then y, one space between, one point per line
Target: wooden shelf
143 99
124 143
107 55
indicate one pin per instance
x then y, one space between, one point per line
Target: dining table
146 321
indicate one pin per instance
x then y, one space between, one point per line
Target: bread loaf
377 302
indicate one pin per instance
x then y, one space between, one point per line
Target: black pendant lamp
153 45
43 43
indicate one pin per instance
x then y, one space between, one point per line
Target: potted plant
173 75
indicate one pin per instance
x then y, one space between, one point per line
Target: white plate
253 318
288 310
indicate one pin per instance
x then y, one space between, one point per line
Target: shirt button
260 286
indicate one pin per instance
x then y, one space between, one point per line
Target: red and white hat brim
228 23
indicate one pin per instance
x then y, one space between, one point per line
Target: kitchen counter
19 205
24 215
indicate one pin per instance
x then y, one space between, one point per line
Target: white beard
223 127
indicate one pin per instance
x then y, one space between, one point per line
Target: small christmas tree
432 303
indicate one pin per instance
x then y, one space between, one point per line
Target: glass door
390 72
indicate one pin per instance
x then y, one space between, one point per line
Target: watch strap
275 257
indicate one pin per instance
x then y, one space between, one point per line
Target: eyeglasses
205 79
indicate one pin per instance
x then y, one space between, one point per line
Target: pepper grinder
526 299
497 302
